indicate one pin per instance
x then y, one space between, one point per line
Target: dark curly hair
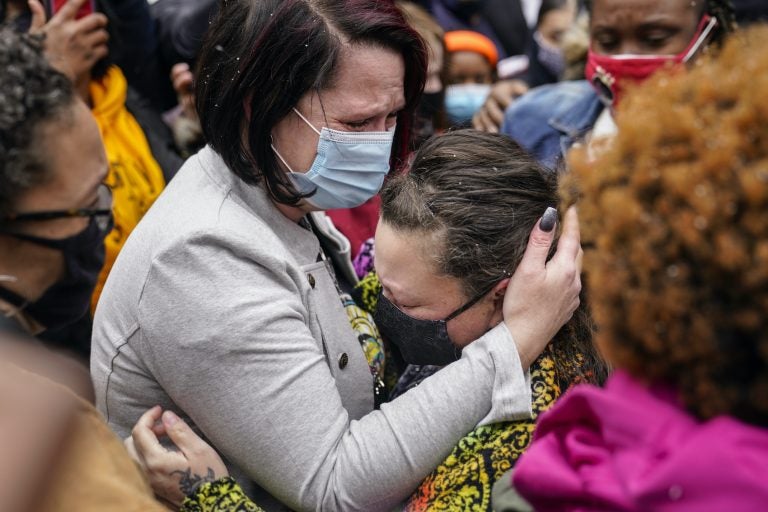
476 197
677 210
31 93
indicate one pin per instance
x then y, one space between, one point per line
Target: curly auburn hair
31 93
677 211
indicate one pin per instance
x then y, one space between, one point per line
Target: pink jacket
629 447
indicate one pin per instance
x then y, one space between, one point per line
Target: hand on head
173 473
542 295
72 45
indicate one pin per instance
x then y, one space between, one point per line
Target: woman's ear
500 289
497 293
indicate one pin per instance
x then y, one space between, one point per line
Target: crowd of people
436 255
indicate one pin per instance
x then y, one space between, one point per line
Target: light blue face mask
348 170
463 100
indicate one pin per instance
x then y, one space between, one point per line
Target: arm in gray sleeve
227 338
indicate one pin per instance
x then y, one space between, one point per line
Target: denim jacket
549 119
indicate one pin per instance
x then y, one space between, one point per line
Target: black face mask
419 341
67 300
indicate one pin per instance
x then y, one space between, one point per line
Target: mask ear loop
280 157
8 279
306 120
706 33
475 299
275 149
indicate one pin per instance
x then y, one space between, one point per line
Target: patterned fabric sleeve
223 495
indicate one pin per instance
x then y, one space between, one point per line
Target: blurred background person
470 70
629 42
55 212
546 58
79 47
543 61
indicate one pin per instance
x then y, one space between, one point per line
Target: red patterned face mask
608 73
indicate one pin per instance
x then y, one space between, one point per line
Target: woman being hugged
227 308
450 230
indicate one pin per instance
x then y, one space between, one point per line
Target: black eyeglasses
101 213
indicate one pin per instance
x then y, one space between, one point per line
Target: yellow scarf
134 175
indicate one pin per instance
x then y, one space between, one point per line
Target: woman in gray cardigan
223 307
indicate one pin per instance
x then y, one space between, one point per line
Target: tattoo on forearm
189 481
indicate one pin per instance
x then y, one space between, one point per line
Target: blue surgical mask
348 170
463 100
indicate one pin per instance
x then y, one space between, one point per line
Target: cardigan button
343 360
311 280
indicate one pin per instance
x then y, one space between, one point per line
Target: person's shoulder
548 101
540 118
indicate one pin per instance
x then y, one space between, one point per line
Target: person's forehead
636 9
366 76
558 18
473 60
402 261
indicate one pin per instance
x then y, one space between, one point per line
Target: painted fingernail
548 220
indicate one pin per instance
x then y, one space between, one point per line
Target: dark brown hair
677 209
476 197
269 53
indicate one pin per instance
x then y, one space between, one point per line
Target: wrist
526 343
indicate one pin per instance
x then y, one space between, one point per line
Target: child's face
469 68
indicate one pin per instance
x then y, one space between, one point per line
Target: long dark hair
479 195
262 56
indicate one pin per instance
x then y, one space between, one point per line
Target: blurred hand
72 46
542 296
491 115
173 474
183 79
